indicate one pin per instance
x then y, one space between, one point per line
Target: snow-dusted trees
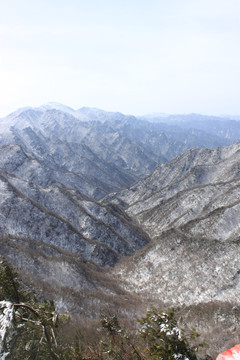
26 325
164 339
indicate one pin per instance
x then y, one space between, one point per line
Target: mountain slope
59 239
190 207
98 162
94 151
59 216
92 209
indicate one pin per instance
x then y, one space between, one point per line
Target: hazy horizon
150 115
134 57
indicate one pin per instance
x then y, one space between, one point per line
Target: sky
133 56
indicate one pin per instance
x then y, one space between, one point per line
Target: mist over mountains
89 196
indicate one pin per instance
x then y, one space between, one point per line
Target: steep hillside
94 151
62 217
78 286
60 240
190 207
192 186
93 160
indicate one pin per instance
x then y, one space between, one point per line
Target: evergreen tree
9 284
33 323
164 339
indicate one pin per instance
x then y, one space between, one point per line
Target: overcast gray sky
132 56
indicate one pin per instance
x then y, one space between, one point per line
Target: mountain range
106 210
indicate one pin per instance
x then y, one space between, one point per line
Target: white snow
6 319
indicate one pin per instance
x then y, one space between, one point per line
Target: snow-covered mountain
102 208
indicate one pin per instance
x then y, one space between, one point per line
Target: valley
109 211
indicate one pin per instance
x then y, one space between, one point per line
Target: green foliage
36 323
164 339
9 284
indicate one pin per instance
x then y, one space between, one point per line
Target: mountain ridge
103 211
